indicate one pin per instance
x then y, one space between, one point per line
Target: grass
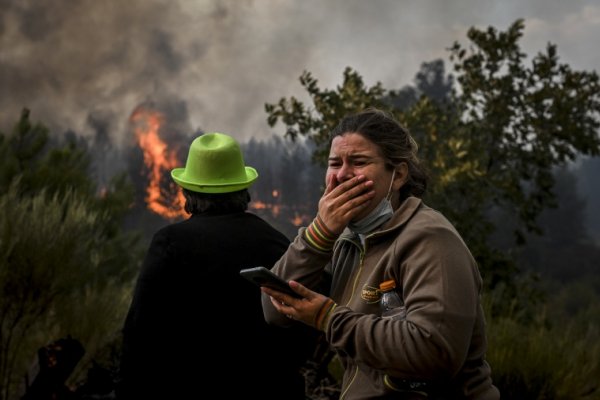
557 356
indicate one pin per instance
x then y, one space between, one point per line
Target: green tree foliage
490 144
66 267
329 107
523 121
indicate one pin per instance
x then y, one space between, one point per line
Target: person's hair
395 142
220 203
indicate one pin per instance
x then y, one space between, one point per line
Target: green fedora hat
214 165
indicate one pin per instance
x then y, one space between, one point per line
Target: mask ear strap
389 193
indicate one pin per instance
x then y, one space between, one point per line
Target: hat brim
214 187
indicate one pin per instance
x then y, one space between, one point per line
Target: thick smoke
72 62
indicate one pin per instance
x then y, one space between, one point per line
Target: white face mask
380 214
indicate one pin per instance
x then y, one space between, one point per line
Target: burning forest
285 194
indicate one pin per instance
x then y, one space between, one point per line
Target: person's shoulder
172 230
260 223
428 214
162 231
427 220
254 218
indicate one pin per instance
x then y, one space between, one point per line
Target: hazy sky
214 64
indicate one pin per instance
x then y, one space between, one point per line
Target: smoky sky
213 65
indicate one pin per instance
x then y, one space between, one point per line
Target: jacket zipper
363 250
343 395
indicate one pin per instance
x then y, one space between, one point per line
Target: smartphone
263 277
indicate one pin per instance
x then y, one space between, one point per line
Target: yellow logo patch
370 294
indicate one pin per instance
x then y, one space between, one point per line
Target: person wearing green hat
195 326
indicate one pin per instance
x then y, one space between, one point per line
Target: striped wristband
319 236
324 314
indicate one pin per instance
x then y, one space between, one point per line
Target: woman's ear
400 177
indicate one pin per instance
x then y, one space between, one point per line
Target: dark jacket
195 326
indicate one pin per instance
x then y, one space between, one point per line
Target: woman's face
351 154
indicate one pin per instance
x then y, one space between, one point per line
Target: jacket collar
401 216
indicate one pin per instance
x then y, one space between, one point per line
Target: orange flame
160 160
259 205
275 209
298 220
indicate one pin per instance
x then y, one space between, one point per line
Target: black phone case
263 277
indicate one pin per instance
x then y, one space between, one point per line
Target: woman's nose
344 173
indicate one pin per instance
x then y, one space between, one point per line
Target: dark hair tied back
395 142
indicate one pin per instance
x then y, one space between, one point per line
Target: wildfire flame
159 160
277 209
163 196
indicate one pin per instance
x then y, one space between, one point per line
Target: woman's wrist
324 315
319 235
